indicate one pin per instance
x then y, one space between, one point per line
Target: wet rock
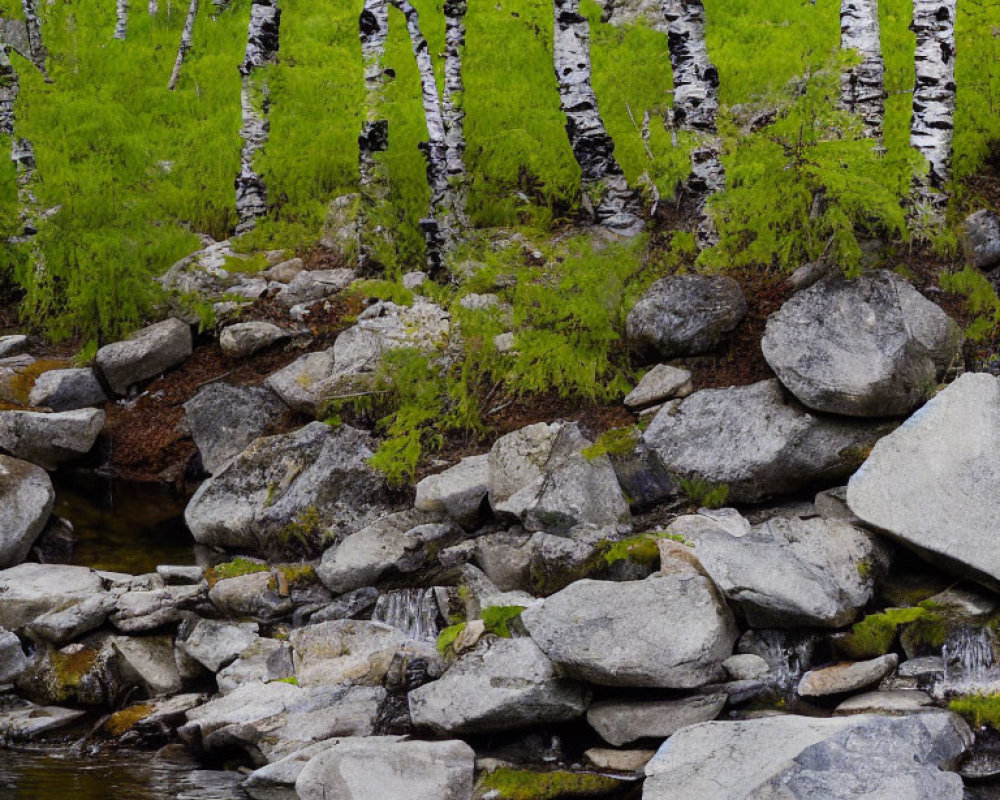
277 781
308 286
13 661
458 492
22 719
67 390
87 673
26 501
868 347
540 475
63 625
300 385
13 345
981 238
746 666
263 661
925 667
619 760
144 611
620 722
350 605
386 768
223 420
899 701
145 354
49 439
848 677
671 632
317 478
795 572
397 544
216 643
251 596
803 758
151 723
28 591
684 315
662 382
149 660
755 441
244 339
948 512
501 685
344 651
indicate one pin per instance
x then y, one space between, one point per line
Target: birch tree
373 141
262 49
933 123
36 45
862 87
185 46
121 21
153 8
696 103
607 196
452 106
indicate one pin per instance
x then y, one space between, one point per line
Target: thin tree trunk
933 120
121 23
610 200
262 49
185 46
696 104
453 109
373 26
36 45
437 226
862 88
153 8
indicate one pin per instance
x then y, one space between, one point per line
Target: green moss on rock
515 784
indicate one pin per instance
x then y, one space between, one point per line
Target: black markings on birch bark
607 196
373 141
696 104
453 110
862 87
262 49
121 19
36 45
933 123
153 8
185 46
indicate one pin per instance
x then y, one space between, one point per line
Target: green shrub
705 494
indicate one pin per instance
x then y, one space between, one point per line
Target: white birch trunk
437 226
185 46
153 8
262 48
696 104
36 45
611 201
373 28
933 120
453 109
121 22
862 88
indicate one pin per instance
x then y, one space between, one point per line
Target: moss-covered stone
123 721
979 709
516 784
875 634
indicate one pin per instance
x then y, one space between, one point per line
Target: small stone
981 239
848 677
620 722
13 345
901 701
619 760
746 666
67 390
285 271
246 338
458 492
662 382
145 354
413 280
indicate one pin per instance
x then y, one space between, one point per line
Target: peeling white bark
611 201
933 120
453 109
185 46
153 8
121 21
862 88
373 30
262 49
36 45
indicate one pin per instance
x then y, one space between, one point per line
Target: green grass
979 709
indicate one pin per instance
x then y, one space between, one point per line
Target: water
413 611
49 775
121 526
969 663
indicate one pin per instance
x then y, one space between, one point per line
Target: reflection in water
121 526
118 776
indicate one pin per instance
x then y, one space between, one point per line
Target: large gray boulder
622 721
386 768
26 500
501 685
28 591
756 441
683 315
540 475
67 390
145 354
807 758
869 347
670 631
49 439
932 484
792 572
317 478
224 419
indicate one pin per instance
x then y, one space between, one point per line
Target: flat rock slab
620 722
869 347
50 439
671 632
21 719
804 758
932 483
898 701
849 677
502 685
145 354
385 768
26 501
756 441
28 591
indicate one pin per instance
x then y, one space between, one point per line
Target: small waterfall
969 662
413 611
788 654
